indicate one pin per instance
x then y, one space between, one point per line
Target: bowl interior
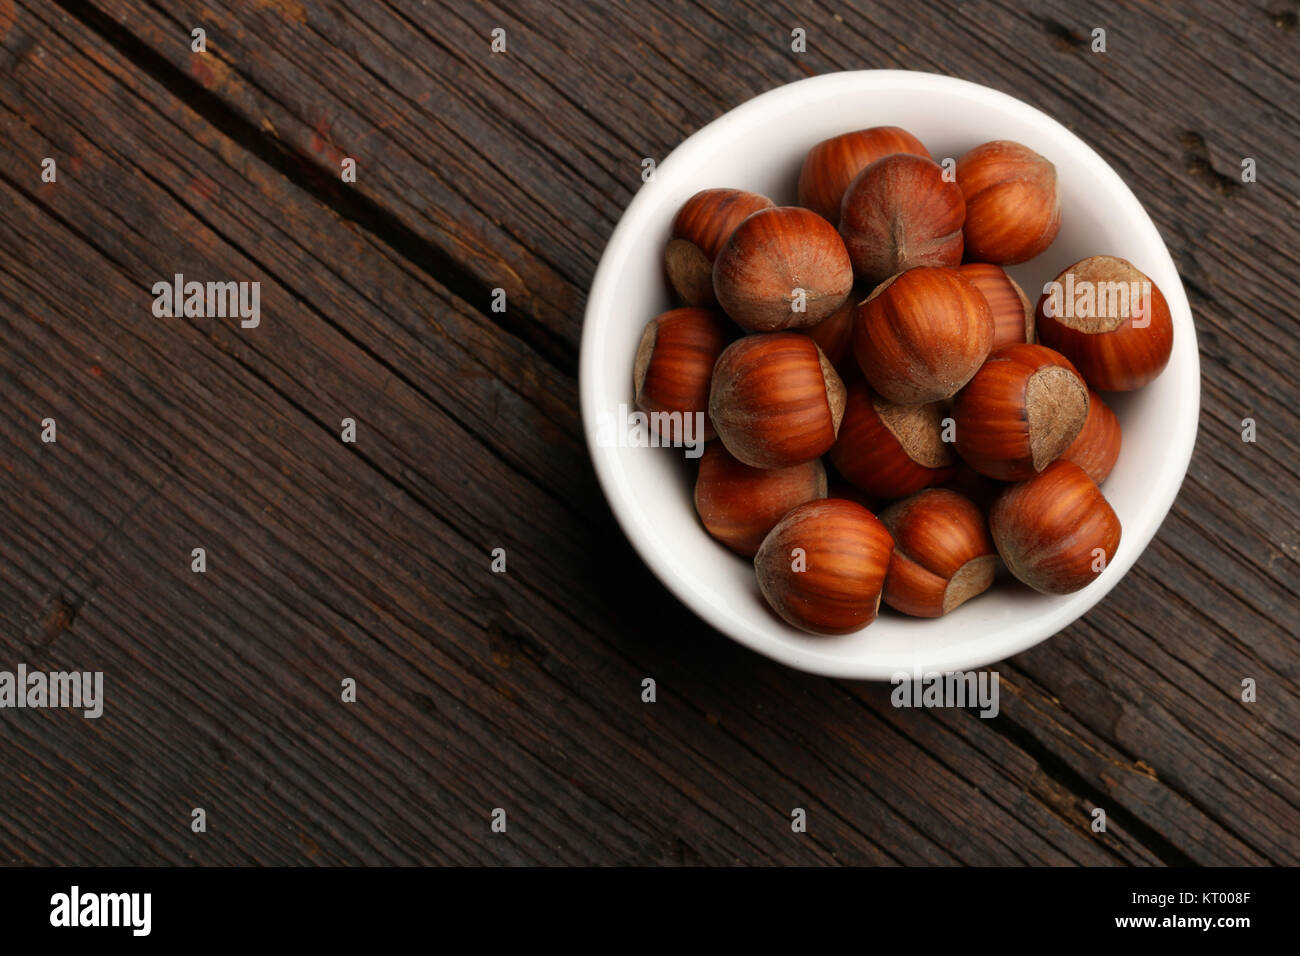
760 146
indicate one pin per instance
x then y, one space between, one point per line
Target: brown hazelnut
943 555
1096 448
823 566
1013 313
890 450
831 165
1013 207
1110 320
900 213
921 335
702 225
969 483
1056 531
1020 412
837 486
739 505
834 336
782 268
776 400
674 362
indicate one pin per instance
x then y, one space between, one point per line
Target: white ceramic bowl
760 146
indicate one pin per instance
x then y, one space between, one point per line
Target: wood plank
408 140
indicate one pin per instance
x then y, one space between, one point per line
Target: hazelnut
1013 207
782 268
1096 448
823 566
831 165
1013 313
943 555
674 362
921 335
739 505
776 400
890 450
900 213
1020 412
1110 320
1056 531
702 225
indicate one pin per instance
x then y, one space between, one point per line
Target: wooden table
370 560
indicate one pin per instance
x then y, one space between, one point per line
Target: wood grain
522 690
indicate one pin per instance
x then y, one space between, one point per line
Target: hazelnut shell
943 555
845 555
776 400
782 268
1019 413
900 213
1056 532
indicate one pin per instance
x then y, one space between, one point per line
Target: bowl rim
600 301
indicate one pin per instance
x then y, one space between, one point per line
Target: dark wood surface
371 560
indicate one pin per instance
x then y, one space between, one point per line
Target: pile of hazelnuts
962 424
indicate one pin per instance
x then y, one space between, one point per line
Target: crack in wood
326 187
